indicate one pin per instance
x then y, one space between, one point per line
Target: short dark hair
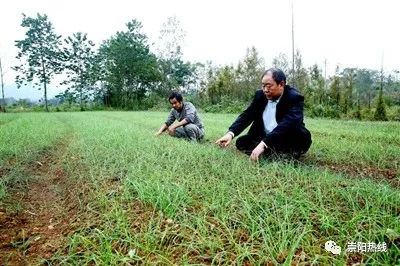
175 95
277 75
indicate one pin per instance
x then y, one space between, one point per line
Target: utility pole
381 87
3 103
326 83
293 71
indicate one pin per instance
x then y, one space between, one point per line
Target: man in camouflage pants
189 125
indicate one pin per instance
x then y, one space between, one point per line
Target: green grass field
142 199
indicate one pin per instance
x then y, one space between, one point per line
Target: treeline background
125 72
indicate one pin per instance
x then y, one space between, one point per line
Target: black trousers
293 143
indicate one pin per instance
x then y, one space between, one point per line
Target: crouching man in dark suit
276 118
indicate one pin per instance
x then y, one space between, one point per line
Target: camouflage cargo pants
190 132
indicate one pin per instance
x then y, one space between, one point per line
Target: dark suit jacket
289 117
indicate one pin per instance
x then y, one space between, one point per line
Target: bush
393 113
356 114
226 106
332 112
367 114
316 111
380 112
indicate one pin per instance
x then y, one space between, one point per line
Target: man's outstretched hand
161 130
224 141
171 130
255 155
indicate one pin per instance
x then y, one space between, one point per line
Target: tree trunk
3 103
45 85
81 90
45 96
369 100
81 101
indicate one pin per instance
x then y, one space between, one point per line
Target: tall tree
210 73
130 69
348 75
335 89
67 97
248 75
170 39
380 112
281 62
40 53
300 77
221 85
392 88
176 73
3 102
365 82
396 87
80 65
316 85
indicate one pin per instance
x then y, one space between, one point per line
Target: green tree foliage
396 87
196 82
348 76
315 92
238 83
380 112
39 53
124 74
176 74
205 74
300 77
248 75
344 94
357 114
80 65
220 85
335 89
281 61
66 97
130 69
365 82
392 88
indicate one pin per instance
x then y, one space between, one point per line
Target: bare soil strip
377 174
35 221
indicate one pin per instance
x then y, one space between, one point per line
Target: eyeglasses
266 85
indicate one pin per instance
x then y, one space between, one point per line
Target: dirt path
35 221
351 169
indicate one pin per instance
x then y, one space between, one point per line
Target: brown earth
378 174
358 171
35 221
389 175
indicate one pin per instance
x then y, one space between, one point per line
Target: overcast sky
348 33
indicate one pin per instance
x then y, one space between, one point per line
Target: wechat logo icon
331 246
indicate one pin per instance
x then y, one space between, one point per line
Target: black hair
175 95
277 75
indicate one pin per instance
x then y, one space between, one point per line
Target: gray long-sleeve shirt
188 111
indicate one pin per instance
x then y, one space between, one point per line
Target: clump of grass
23 138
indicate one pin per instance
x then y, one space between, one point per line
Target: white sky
348 33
